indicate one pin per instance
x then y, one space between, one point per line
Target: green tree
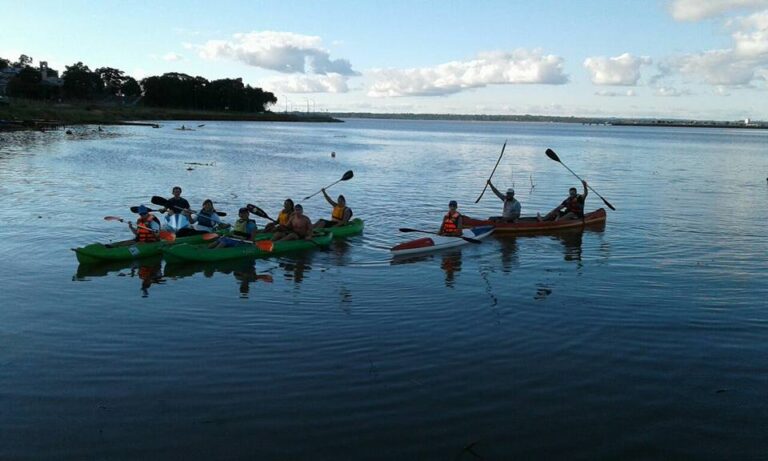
26 84
130 87
4 63
23 61
80 82
111 79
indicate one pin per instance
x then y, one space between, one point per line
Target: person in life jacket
340 215
205 220
512 207
147 228
243 229
452 224
570 208
282 218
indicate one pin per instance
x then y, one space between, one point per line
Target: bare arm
328 199
586 189
496 191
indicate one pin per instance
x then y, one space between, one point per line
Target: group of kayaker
291 223
570 208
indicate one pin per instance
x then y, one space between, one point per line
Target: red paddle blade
167 236
265 245
210 236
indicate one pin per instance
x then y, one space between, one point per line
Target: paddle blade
113 218
221 213
407 229
608 204
210 236
265 245
157 200
551 154
258 211
348 175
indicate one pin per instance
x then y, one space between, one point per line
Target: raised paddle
468 239
163 202
259 212
347 176
551 154
494 171
164 235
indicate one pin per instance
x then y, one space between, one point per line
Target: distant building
746 121
49 76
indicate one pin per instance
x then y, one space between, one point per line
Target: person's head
176 191
288 204
143 211
452 205
298 209
208 204
510 193
243 213
572 192
341 200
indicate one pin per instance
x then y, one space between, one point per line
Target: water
645 340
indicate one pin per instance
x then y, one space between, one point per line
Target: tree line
104 84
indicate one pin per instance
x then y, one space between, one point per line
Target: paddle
157 200
164 235
551 154
468 239
347 176
135 209
259 212
494 171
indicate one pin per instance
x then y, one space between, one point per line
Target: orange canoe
533 225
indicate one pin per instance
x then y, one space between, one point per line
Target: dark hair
290 201
341 197
572 188
207 201
176 187
243 209
298 207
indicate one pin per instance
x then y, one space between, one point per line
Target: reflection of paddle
551 154
259 212
468 239
200 126
494 171
347 176
157 200
163 235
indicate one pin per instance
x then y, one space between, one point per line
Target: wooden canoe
529 225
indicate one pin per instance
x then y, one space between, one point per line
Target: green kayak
353 227
264 248
128 249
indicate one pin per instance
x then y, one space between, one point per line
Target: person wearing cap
299 227
570 208
244 228
147 228
340 215
451 221
512 206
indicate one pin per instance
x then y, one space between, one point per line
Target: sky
697 59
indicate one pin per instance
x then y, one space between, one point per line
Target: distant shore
26 114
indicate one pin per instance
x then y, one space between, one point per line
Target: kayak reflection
243 270
450 263
296 267
148 270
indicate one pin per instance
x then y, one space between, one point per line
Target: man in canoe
177 203
451 221
147 227
282 218
570 208
299 227
340 215
512 207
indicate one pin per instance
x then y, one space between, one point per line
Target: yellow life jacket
338 213
283 218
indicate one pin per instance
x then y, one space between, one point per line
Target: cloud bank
696 10
520 66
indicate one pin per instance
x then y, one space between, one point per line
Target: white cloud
280 51
716 67
671 92
172 57
696 10
520 66
750 36
614 94
330 83
621 70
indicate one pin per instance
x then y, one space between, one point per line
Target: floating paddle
494 171
551 154
347 176
163 235
259 212
468 239
163 202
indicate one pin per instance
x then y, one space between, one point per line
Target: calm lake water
646 340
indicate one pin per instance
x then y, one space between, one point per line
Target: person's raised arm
328 198
586 189
496 191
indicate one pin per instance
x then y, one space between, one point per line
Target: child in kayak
244 228
147 227
206 220
451 221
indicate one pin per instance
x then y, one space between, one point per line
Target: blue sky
654 58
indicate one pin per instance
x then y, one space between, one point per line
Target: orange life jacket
338 213
451 223
143 232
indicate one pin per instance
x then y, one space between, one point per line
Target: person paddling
340 215
177 203
147 227
512 207
570 208
205 220
452 222
282 218
300 227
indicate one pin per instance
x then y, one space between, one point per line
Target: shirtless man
300 227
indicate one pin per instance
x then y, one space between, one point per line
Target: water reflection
149 271
243 270
451 264
296 267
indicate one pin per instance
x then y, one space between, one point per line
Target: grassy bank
89 113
